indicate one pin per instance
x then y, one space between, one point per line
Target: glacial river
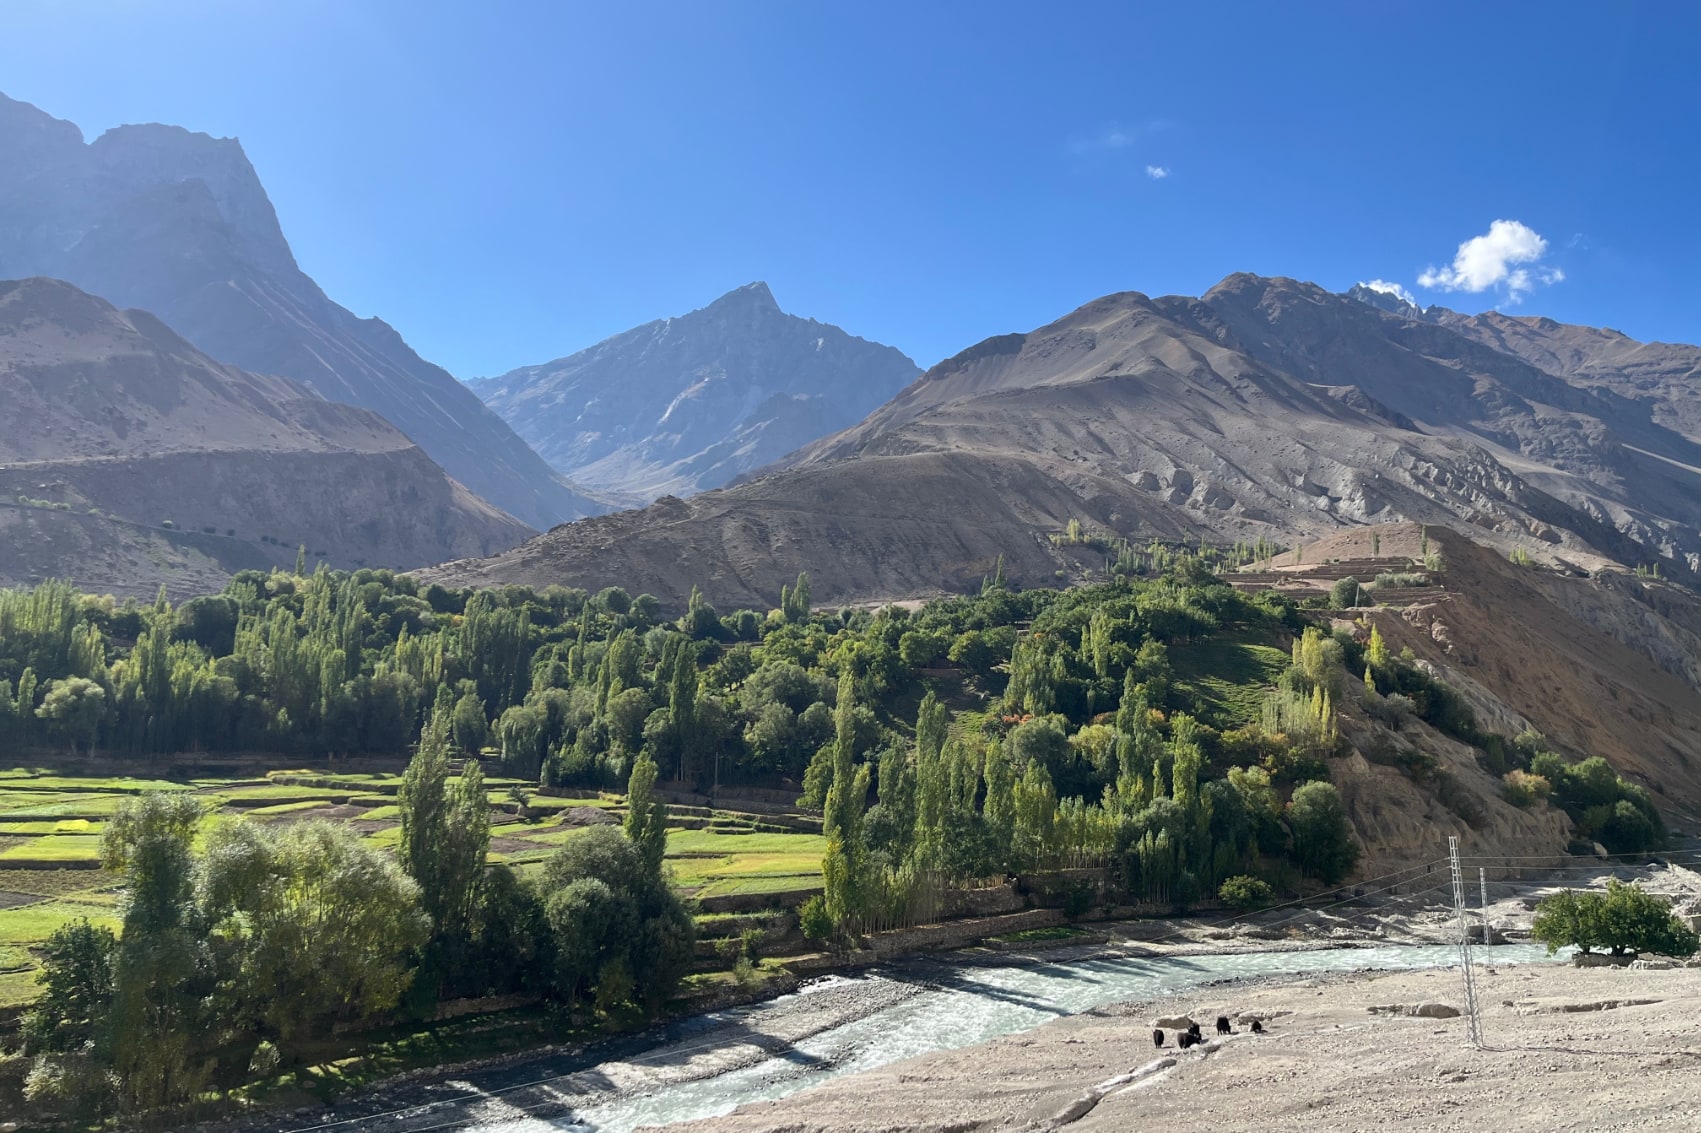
712 1063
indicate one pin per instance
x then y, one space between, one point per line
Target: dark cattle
1187 1039
1194 1031
1157 1038
1223 1025
1257 1026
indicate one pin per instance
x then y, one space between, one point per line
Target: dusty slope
129 459
1663 375
1268 409
1600 665
177 223
680 405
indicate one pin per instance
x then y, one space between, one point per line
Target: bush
1344 595
1246 893
814 919
1394 710
1524 789
1400 579
1624 919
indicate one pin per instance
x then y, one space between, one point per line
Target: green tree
1344 595
469 724
1246 893
74 707
157 1022
76 979
445 835
844 867
646 815
1323 846
1625 919
794 600
313 927
617 926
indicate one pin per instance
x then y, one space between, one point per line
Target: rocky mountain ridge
684 404
177 223
129 459
1265 409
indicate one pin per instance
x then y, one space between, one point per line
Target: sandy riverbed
1562 1057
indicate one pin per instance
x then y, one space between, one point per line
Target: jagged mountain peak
176 222
683 404
751 297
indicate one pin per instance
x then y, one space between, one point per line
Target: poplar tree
646 815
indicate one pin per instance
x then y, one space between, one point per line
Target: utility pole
1482 879
1473 1020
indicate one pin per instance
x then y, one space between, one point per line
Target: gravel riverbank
1568 1049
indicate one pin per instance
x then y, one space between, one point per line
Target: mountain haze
681 405
129 459
177 223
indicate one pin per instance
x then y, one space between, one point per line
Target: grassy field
1229 677
51 823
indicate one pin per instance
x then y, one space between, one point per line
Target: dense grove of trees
245 944
1089 731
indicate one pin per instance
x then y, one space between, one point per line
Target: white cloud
1507 256
1157 172
1387 288
1117 136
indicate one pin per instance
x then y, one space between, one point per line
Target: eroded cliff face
1402 818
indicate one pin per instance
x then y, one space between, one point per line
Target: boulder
1173 1022
1600 960
1435 1011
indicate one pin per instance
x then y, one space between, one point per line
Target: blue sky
507 182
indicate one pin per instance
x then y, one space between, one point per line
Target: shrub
1624 919
1394 710
1525 789
1400 579
1246 893
1345 593
814 919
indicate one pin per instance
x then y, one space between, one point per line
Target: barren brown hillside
128 460
1531 646
1268 409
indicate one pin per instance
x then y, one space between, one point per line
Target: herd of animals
1193 1037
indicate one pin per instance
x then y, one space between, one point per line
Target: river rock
1173 1022
1417 1010
1600 960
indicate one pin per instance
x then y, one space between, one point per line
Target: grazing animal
1194 1031
1257 1026
1223 1027
1187 1039
1157 1038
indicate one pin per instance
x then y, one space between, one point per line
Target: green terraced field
53 822
1229 678
680 842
